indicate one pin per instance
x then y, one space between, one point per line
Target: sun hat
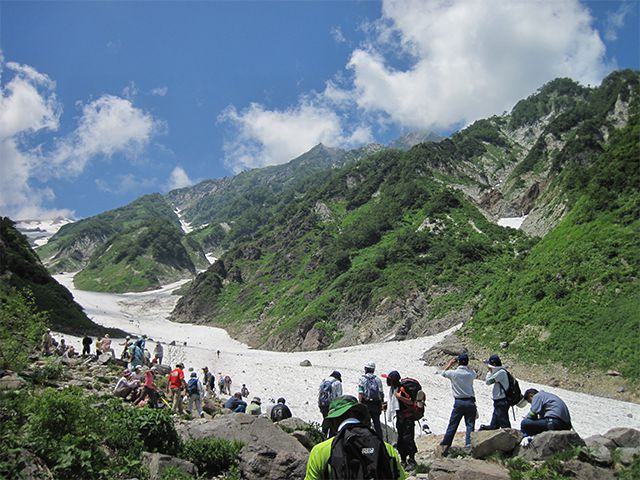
256 400
342 405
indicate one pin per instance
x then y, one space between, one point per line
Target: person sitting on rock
62 348
244 391
548 412
363 455
236 404
126 386
254 407
280 411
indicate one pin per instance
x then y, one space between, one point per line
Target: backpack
409 387
371 389
277 413
227 379
513 393
358 453
324 393
192 386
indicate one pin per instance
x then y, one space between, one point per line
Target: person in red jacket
176 386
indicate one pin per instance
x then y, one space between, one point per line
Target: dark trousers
461 408
324 410
530 426
374 410
86 349
406 437
500 417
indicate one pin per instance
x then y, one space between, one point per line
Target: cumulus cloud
615 21
179 179
28 107
271 137
471 59
159 91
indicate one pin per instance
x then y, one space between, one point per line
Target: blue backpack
192 386
324 393
371 389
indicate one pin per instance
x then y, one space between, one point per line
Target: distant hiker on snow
280 411
86 345
356 451
254 407
464 403
548 412
158 353
330 389
406 404
195 390
497 376
244 391
176 384
370 393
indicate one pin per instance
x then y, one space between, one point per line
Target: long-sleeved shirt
125 383
548 405
498 378
393 405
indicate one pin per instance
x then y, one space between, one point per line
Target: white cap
370 365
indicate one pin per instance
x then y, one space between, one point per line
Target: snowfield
270 375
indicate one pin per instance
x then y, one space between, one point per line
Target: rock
614 373
466 469
487 442
504 344
269 452
12 382
585 471
210 407
599 454
293 423
628 454
621 390
305 363
163 370
546 444
260 462
599 440
304 438
157 462
105 358
624 437
30 467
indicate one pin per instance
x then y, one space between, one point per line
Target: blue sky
102 102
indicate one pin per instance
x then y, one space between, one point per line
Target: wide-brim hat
341 405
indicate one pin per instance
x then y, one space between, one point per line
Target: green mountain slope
20 270
383 248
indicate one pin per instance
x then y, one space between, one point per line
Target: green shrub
212 456
51 370
156 430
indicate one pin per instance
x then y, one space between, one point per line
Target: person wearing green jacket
350 421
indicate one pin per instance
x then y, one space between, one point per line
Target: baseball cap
336 374
393 375
494 360
370 365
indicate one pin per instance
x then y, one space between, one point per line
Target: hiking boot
410 465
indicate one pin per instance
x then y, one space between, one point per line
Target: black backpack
513 394
410 387
277 412
358 453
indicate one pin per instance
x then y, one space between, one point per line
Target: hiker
497 376
218 353
47 342
158 353
209 381
99 346
334 458
86 345
548 412
254 407
62 348
464 403
280 411
236 404
125 350
146 357
195 390
106 345
244 391
221 383
330 389
137 353
126 386
176 384
227 384
149 389
371 395
406 403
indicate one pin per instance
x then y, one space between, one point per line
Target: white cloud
471 59
271 137
28 107
159 91
615 21
130 91
338 36
126 183
179 179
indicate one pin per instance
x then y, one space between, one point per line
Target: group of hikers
356 447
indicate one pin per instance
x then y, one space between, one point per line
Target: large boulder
293 423
12 382
547 444
595 441
487 442
105 358
599 454
269 452
624 437
627 455
158 462
466 469
585 471
163 370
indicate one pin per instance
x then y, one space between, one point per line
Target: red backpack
409 388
